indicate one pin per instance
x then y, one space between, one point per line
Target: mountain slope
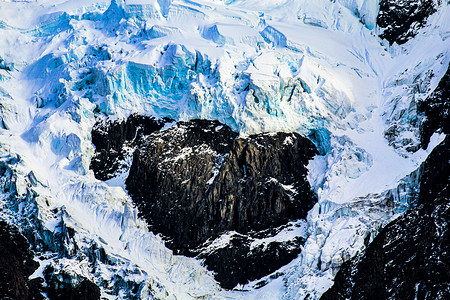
315 68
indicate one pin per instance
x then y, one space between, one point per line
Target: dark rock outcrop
436 109
238 262
113 141
61 285
16 264
197 180
400 19
410 258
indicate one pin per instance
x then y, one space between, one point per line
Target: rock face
197 180
410 258
63 286
401 19
113 140
436 109
239 262
16 264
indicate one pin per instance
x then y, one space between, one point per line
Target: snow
258 66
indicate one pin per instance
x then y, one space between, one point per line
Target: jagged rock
61 285
237 262
197 180
16 264
410 258
400 20
111 139
436 109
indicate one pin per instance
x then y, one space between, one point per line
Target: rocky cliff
197 180
17 264
410 258
113 141
400 20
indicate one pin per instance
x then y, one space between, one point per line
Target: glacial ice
289 65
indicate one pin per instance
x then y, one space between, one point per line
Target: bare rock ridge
198 180
436 109
16 263
399 20
410 258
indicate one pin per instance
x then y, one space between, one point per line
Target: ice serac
197 180
410 258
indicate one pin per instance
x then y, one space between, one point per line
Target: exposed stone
16 264
237 262
400 19
113 141
61 285
410 258
196 180
436 109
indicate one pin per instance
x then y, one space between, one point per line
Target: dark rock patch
196 180
113 141
61 285
400 19
238 262
16 264
410 258
436 109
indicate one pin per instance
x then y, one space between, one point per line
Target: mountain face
399 20
17 265
409 258
238 149
202 181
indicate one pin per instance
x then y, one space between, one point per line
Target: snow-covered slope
314 67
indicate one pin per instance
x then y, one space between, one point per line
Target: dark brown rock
400 19
16 264
410 258
62 286
436 109
196 180
237 262
114 139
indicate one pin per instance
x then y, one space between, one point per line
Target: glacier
317 68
